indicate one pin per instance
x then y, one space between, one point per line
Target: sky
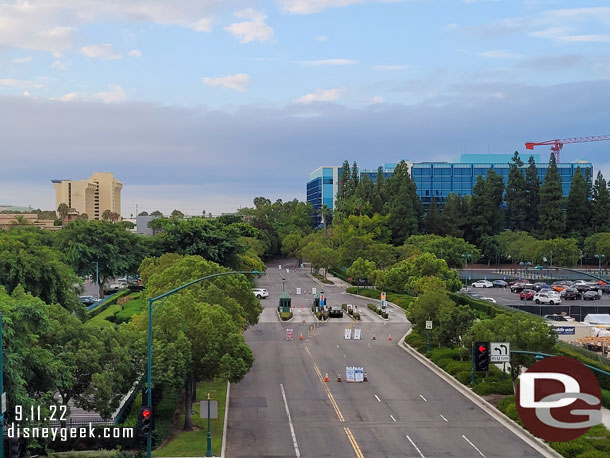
205 104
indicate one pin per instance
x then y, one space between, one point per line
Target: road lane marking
377 397
369 345
324 385
416 448
352 440
344 355
425 400
444 418
294 437
473 446
337 346
394 419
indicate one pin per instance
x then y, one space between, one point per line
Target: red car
527 294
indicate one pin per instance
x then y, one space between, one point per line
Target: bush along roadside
285 316
401 300
378 310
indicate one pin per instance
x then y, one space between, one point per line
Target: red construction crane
556 145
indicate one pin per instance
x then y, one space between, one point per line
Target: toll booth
284 304
315 306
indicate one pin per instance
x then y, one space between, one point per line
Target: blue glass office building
322 188
439 179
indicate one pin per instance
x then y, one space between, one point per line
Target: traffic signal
481 356
145 421
14 447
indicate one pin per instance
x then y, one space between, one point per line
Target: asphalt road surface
284 407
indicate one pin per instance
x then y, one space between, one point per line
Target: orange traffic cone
365 378
303 320
374 338
326 377
301 336
390 338
338 377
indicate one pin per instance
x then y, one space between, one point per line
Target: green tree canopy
532 195
578 211
516 203
448 248
600 205
552 218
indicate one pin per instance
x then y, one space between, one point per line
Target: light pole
466 256
581 256
97 276
149 366
599 257
551 259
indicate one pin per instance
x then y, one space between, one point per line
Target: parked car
518 287
547 298
489 299
571 293
555 317
558 286
540 285
88 300
260 293
591 295
336 310
483 284
527 295
499 284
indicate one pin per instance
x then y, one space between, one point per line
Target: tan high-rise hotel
92 196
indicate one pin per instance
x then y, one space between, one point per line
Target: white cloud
21 84
321 38
135 53
450 27
329 62
376 99
322 95
114 93
69 97
60 65
313 6
500 54
238 82
22 60
202 25
562 34
104 51
253 30
389 68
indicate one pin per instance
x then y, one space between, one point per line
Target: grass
131 308
193 443
322 279
100 319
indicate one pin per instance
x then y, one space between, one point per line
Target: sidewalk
337 281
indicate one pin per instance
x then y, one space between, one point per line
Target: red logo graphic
558 399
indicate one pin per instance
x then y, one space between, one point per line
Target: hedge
284 316
107 302
401 300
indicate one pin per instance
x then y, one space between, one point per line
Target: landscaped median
350 312
401 300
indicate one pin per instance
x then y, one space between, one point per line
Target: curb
378 300
513 427
224 427
280 318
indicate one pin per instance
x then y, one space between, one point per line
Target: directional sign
350 374
289 334
313 291
357 334
428 324
298 290
358 374
279 267
348 333
500 352
383 303
203 409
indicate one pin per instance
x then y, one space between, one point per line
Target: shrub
494 387
357 316
463 377
284 316
344 307
372 307
326 314
606 398
416 341
385 315
507 406
455 367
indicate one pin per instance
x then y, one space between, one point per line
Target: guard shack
318 302
284 304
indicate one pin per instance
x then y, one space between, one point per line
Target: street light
582 255
149 366
599 257
551 259
466 256
97 275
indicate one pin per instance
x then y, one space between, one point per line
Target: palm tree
115 217
326 213
62 211
83 216
20 220
107 215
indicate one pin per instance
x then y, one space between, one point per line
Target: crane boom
557 145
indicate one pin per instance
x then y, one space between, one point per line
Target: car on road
527 294
260 293
88 300
571 293
499 284
335 310
482 284
591 295
547 298
489 299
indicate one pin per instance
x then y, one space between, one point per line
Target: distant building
93 196
142 224
10 220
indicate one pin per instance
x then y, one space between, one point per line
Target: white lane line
369 345
473 446
393 419
425 400
294 437
444 418
344 355
413 444
377 397
337 346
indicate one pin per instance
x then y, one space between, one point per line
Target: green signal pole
149 368
209 438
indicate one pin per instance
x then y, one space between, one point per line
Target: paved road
404 410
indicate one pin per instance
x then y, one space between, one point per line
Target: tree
345 189
454 326
430 306
156 213
403 276
62 212
176 214
448 248
106 215
433 221
116 250
515 198
320 256
355 176
478 222
598 244
403 204
361 269
291 247
551 220
532 195
379 196
115 217
600 205
144 213
522 331
578 214
84 216
454 215
326 214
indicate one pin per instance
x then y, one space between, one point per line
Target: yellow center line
352 440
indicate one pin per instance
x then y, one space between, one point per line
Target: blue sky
205 104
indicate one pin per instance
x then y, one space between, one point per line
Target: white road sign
348 333
350 374
500 352
203 409
356 334
313 291
298 290
289 334
358 374
428 324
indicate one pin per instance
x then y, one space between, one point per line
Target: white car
482 284
260 293
490 299
547 298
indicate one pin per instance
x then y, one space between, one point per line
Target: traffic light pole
209 437
472 370
149 368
